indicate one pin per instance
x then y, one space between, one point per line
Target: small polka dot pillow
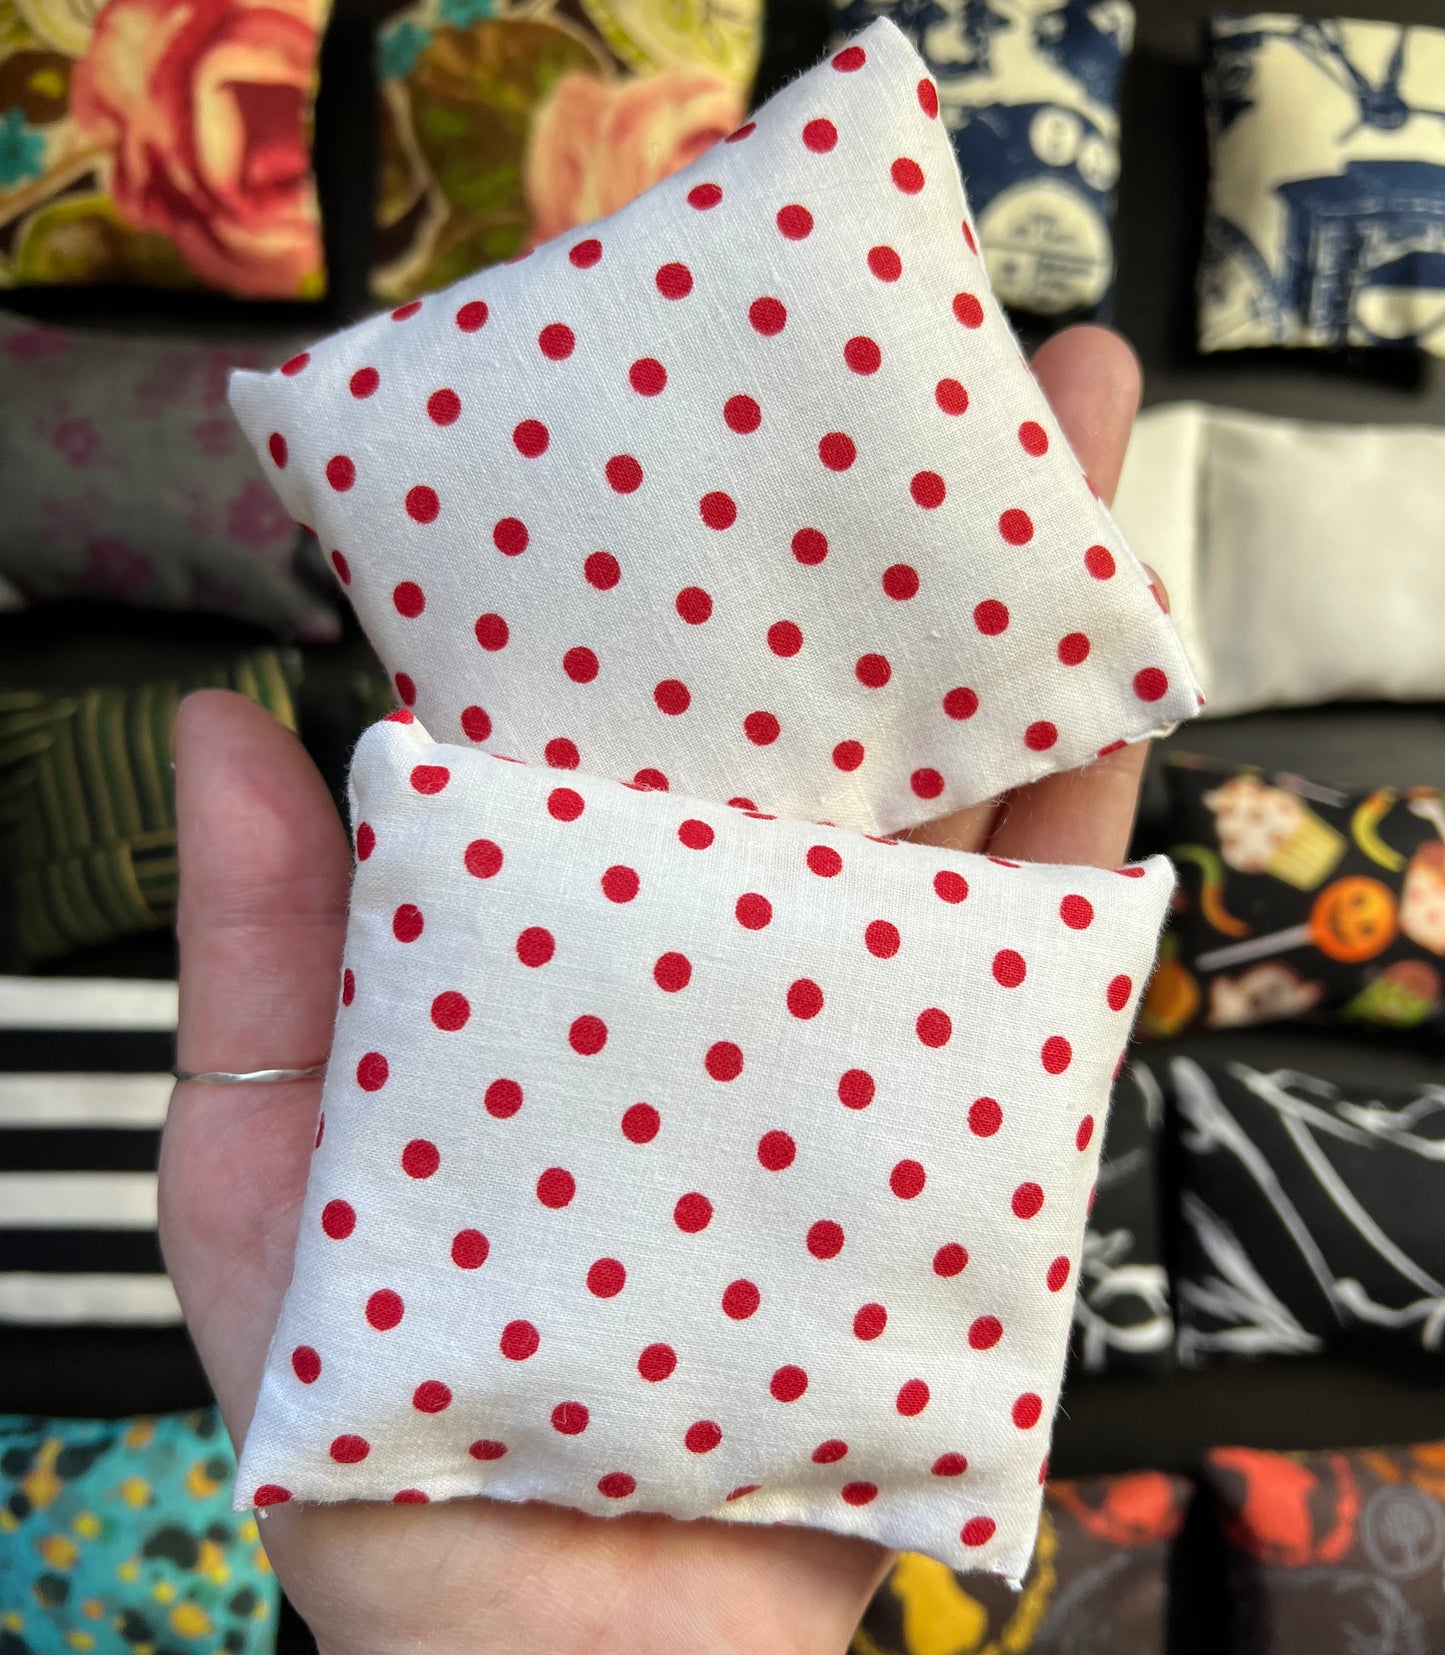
675 1158
745 491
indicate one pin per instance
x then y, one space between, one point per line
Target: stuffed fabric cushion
747 491
678 1159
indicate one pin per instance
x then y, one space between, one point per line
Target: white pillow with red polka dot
745 491
676 1158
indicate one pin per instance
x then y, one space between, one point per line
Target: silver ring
252 1077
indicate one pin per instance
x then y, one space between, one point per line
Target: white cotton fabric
746 489
844 1124
1304 562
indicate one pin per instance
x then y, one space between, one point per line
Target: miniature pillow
1299 900
1098 1581
119 1536
749 493
162 142
124 478
1030 97
1310 1212
1334 1552
1327 187
676 1158
501 131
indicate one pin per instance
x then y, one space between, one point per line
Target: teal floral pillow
119 1535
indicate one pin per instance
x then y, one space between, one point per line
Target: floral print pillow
504 125
164 142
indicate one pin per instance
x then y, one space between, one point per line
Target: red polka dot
1077 912
950 1259
820 136
985 1332
742 414
824 861
450 1011
564 804
365 841
704 196
870 1321
406 689
928 490
907 1180
951 396
1057 1054
616 1485
692 1213
768 316
977 1531
882 939
420 1158
476 724
624 474
907 175
724 1060
762 729
472 315
556 341
407 923
1027 1201
1074 648
602 571
620 884
341 472
536 946
1150 684
825 1239
1058 1274
556 1188
702 1437
306 1364
859 1494
695 835
848 755
694 605
1041 736
384 1309
296 364
348 986
795 222
968 237
606 1278
744 131
429 778
927 784
809 546
349 1450
422 505
657 1362
753 912
830 1452
364 382
510 536
276 445
674 281
788 1383
562 754
785 638
672 972
444 407
338 1219
587 1036
411 1497
740 1300
647 376
949 1465
519 1341
531 438
950 886
935 1027
431 1397
873 670
1085 1134
968 310
900 582
776 1151
718 510
837 451
913 1398
1118 992
586 254
863 355
1016 527
580 665
856 1088
1033 438
641 1123
1009 969
372 1072
470 1249
805 998
885 264
991 617
850 59
403 312
1099 561
342 568
928 99
487 1449
984 1117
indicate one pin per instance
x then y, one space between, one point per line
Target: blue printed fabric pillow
1326 221
1029 92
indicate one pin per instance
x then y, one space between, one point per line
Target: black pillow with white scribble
1312 1214
1121 1314
1299 901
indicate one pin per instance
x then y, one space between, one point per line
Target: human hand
265 867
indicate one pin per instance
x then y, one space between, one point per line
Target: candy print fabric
675 1158
1029 94
1327 192
1300 901
746 491
119 1535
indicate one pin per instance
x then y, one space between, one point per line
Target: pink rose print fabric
676 1158
745 491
